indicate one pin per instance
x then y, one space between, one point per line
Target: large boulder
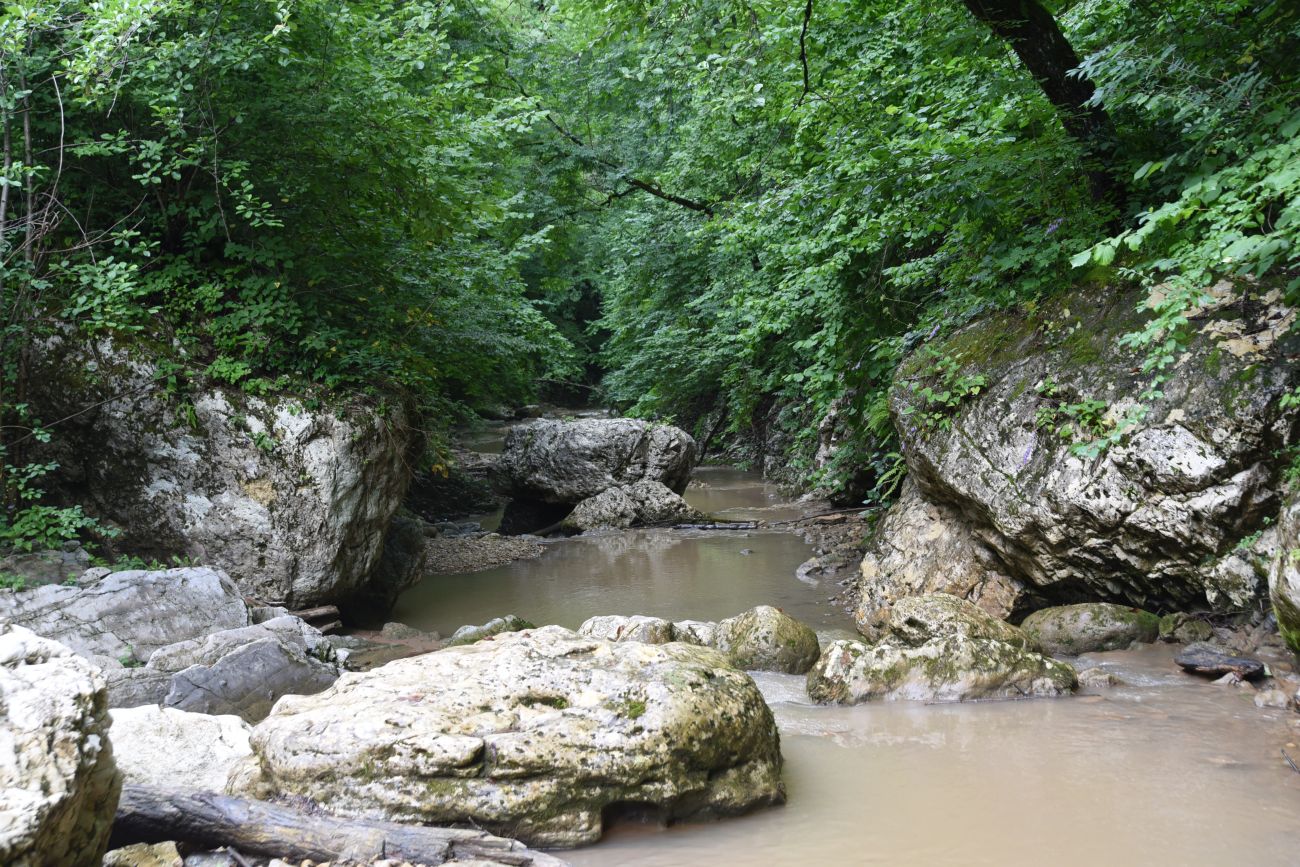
58 783
760 639
290 496
920 547
1153 519
163 746
917 619
946 669
938 647
128 615
537 732
566 462
236 671
1284 576
1089 627
640 504
767 639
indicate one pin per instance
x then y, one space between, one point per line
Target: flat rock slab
533 733
1213 661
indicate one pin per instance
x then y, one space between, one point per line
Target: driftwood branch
150 814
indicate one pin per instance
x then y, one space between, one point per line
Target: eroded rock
163 746
767 639
956 668
536 732
129 615
567 462
641 504
495 626
58 782
291 500
1090 627
921 547
1284 573
1148 521
914 620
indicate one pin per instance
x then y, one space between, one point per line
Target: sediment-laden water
1167 770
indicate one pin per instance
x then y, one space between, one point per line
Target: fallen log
322 612
732 525
151 814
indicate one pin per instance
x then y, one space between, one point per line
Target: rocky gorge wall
1005 504
290 494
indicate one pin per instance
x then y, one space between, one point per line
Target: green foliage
939 388
9 581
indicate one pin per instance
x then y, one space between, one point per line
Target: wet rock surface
539 732
1089 627
1214 660
761 639
59 784
938 648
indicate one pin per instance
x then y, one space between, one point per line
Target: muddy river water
1166 770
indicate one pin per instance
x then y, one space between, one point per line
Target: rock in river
1155 520
58 782
1212 660
767 639
567 462
641 504
761 639
537 733
946 669
1090 627
938 648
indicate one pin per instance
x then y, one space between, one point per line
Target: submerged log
151 814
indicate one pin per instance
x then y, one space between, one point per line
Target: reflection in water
1170 770
1181 773
730 494
664 573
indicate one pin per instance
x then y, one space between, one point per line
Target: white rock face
567 462
129 614
163 746
1149 520
922 547
293 502
58 782
537 732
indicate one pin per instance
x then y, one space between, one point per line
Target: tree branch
803 51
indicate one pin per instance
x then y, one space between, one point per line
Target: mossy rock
767 639
1090 627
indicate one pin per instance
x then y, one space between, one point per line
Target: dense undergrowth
735 216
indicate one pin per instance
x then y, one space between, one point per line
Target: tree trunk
1033 34
150 814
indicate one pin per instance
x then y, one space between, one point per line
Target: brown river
1168 770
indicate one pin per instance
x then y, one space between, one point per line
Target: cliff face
1179 513
291 495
